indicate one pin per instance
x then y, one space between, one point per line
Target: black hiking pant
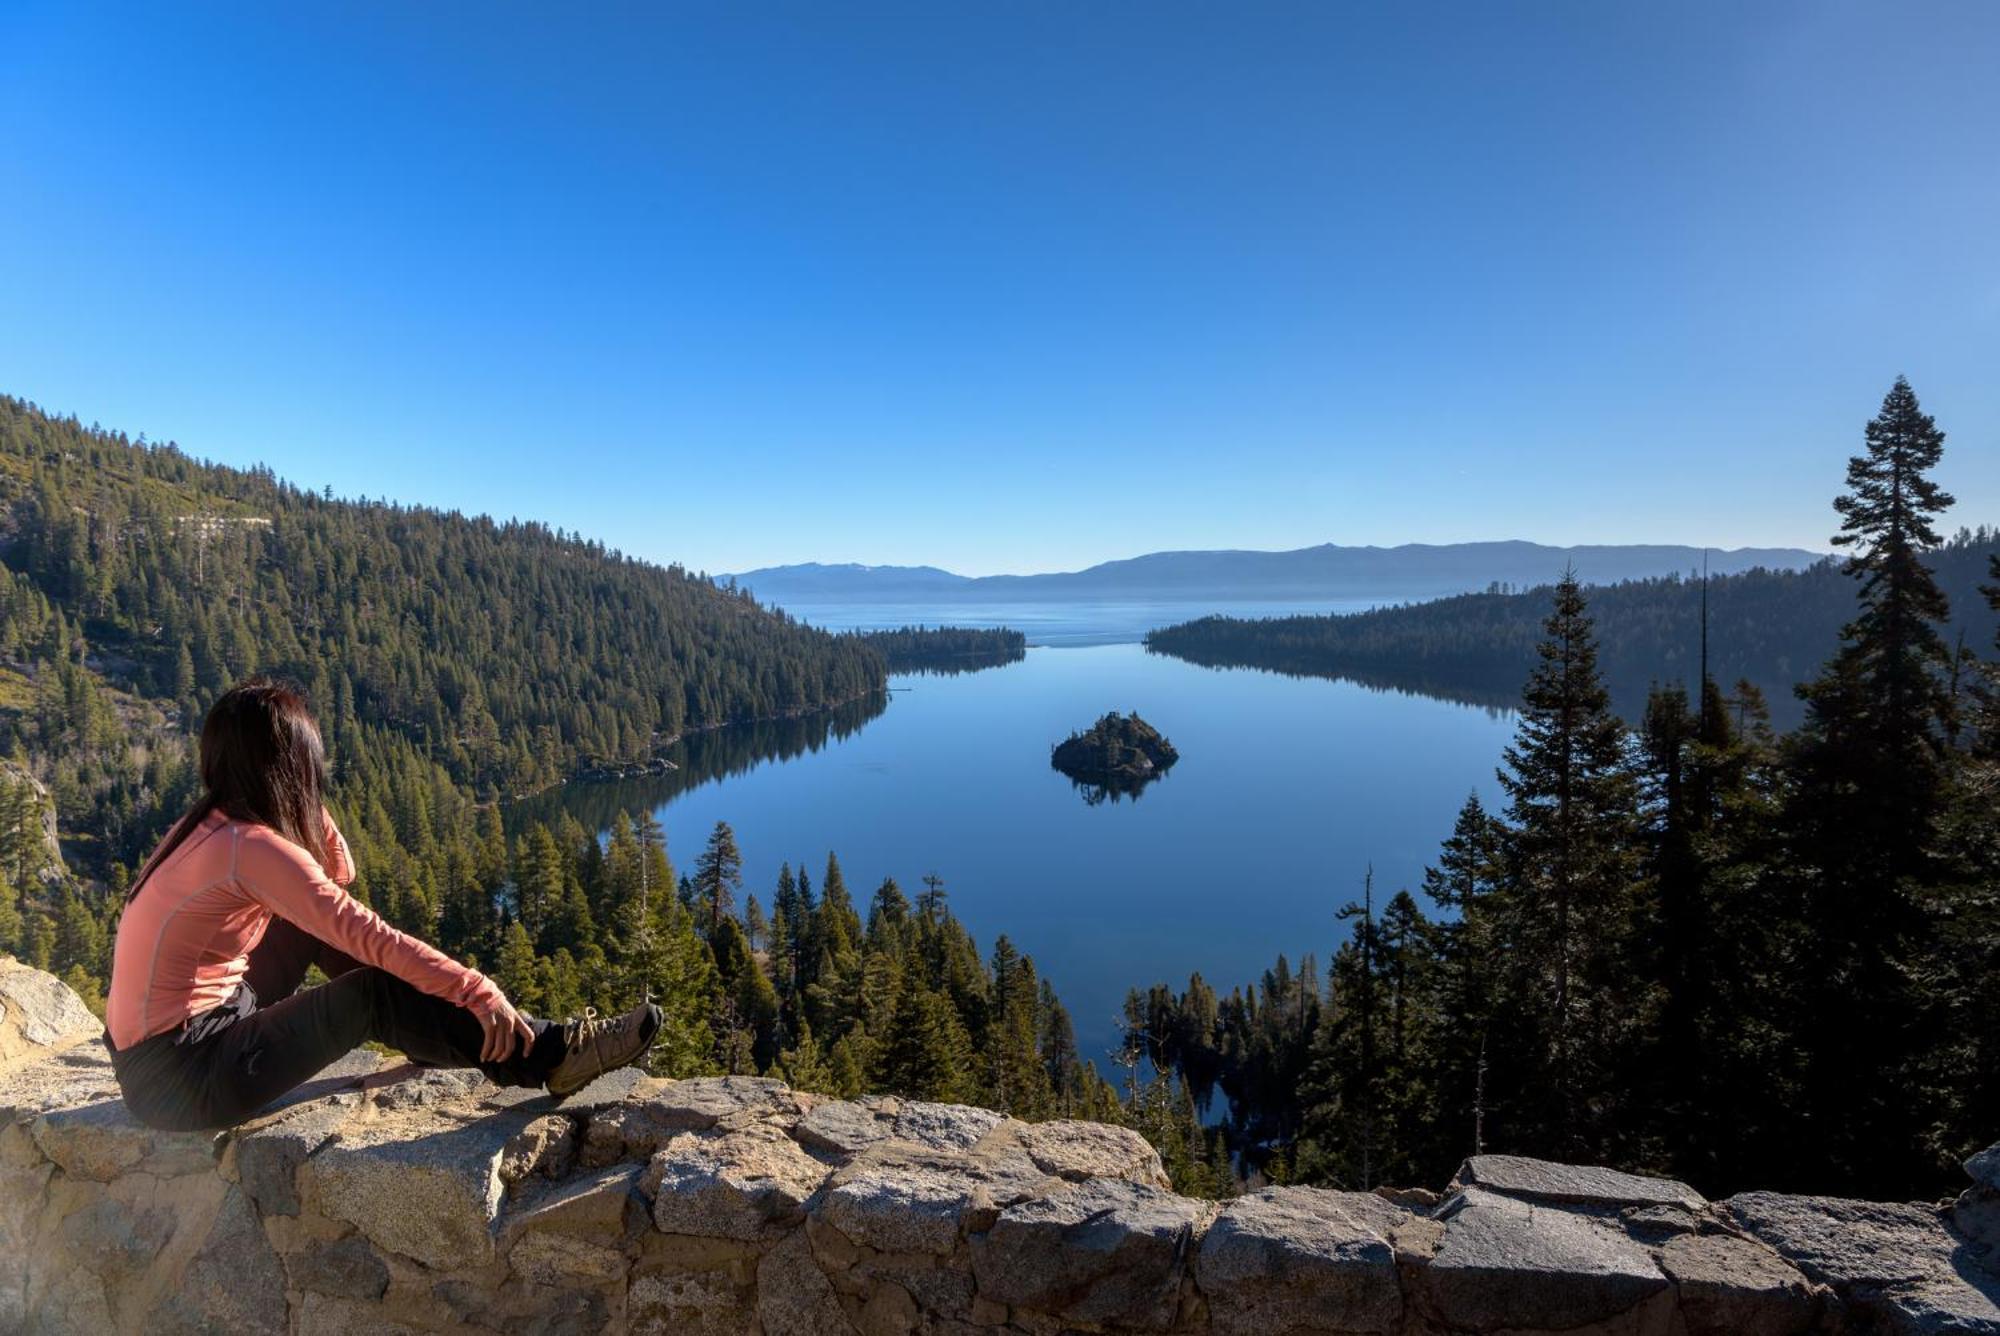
222 1066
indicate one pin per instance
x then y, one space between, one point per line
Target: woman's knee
374 993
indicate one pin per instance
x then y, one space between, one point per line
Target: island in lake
1119 754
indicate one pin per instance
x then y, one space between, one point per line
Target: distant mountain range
1395 574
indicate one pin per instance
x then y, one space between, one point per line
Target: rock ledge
389 1199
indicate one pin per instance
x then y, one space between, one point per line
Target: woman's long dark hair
261 760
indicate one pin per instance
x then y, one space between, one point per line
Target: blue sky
1018 287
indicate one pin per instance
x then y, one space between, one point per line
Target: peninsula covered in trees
946 649
1692 945
1119 754
1770 627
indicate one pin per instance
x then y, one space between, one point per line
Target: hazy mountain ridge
1410 570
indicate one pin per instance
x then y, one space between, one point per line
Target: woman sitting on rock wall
207 1023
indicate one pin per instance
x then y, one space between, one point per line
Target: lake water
1286 792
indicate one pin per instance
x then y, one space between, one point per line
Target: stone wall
387 1199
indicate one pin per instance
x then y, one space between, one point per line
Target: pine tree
570 927
84 983
38 939
925 1051
1339 1135
10 916
1016 1078
1668 738
718 876
1462 884
79 940
677 971
1060 1059
541 875
516 970
746 1014
1880 708
1869 789
1571 846
783 942
802 1067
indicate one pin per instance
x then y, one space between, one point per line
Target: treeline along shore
1772 627
946 649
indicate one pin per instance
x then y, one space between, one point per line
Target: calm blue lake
1286 792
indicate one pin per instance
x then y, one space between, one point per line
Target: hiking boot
594 1045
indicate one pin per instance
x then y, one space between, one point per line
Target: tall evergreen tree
718 876
1868 790
1572 870
1471 939
1881 706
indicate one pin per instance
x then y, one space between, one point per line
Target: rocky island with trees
1119 754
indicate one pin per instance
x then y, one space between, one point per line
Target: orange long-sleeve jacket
184 941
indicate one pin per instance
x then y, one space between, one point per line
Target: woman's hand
504 1030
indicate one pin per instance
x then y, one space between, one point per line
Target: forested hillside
1771 627
1693 945
504 655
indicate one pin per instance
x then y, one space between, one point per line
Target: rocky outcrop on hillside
381 1198
49 868
39 1014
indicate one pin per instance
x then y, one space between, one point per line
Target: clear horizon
1025 291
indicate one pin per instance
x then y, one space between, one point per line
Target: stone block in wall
426 1185
101 1141
115 1239
1574 1184
1302 1260
1504 1263
1101 1251
1731 1286
545 1147
744 1184
902 1199
943 1126
233 1284
601 1204
21 1198
1074 1150
265 1156
1897 1263
567 1260
843 1127
345 1268
640 1126
794 1297
691 1301
329 1315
